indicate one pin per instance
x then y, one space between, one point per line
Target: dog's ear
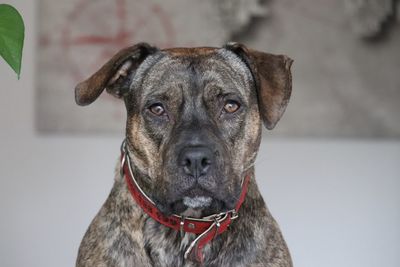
115 75
273 81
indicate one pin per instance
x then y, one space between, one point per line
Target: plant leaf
11 36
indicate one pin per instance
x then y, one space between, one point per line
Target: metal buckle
234 214
212 217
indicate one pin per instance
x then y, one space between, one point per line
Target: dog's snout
196 161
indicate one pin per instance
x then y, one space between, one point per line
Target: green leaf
11 36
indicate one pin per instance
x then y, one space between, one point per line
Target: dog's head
193 117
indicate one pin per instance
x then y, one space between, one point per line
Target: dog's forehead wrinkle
195 77
217 85
167 76
220 78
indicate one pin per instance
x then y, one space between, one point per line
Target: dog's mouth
200 201
201 205
181 199
196 198
197 202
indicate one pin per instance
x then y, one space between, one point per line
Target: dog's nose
196 161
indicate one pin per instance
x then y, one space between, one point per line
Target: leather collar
207 228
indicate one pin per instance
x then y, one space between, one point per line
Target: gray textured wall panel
343 86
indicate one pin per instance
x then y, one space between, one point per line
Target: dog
185 192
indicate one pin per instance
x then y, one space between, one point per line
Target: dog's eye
231 106
157 109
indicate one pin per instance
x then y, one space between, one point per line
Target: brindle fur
191 82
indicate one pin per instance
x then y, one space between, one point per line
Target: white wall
337 202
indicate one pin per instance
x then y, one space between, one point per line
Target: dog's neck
171 253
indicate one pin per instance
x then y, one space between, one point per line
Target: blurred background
329 171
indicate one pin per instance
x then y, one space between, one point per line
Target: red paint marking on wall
122 37
74 41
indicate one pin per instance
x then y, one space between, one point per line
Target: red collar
207 228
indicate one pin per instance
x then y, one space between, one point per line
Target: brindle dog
193 131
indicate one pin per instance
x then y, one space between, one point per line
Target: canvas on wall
343 86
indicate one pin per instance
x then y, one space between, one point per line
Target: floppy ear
273 81
115 75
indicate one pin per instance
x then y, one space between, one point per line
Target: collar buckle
234 214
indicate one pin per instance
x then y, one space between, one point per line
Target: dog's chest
166 247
